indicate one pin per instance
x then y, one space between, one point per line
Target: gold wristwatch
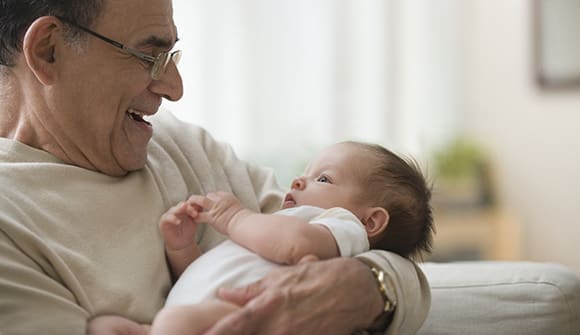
387 291
385 287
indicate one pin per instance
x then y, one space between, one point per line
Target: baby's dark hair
397 185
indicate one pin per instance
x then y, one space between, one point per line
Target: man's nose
169 85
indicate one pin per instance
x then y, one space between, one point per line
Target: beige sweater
76 243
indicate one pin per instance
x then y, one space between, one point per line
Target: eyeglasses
159 63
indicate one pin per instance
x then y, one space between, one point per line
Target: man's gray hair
17 15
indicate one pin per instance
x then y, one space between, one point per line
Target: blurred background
483 93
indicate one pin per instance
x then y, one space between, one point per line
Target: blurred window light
280 79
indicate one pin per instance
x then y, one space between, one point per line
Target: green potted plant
462 174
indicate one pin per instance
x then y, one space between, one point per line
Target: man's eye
323 179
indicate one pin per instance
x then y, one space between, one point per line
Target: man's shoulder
167 125
178 139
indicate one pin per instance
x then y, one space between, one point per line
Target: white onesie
231 265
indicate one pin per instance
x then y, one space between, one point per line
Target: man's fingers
308 258
240 296
251 318
238 322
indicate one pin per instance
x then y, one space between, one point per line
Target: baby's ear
375 221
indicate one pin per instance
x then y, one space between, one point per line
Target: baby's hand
219 209
179 224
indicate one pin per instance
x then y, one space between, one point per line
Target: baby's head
387 193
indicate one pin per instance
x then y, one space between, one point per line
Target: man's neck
18 121
10 98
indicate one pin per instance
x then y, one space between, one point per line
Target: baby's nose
298 183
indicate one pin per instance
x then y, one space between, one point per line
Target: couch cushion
502 298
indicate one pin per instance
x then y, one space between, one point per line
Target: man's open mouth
137 116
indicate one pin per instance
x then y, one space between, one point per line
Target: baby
353 196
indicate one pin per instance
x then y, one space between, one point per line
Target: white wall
533 134
278 79
449 65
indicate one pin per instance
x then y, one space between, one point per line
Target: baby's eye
323 179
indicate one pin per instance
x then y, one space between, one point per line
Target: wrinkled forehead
139 21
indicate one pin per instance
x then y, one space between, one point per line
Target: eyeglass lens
162 61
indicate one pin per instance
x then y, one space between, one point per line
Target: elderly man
88 166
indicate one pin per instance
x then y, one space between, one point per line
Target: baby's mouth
289 201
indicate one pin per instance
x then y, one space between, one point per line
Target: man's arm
279 238
336 296
407 286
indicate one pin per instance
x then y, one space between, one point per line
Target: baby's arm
178 226
279 238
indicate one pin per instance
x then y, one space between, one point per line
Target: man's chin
136 165
126 165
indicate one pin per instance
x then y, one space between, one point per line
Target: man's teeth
134 112
137 116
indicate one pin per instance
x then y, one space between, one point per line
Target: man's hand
336 296
178 225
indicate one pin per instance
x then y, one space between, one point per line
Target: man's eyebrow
157 42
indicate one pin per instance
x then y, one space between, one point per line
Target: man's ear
376 220
39 48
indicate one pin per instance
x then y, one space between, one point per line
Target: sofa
479 297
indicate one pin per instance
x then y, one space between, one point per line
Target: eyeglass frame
159 63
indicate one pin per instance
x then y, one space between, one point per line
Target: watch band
385 287
387 291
